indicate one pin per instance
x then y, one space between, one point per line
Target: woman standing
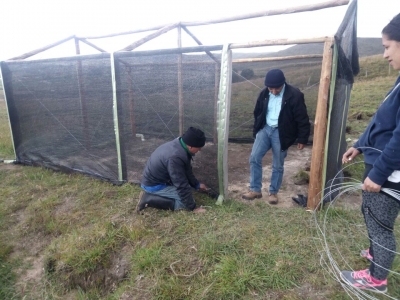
380 144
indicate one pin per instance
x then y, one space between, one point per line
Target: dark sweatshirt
380 141
170 164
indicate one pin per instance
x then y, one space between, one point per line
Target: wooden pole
320 127
282 11
199 43
202 48
131 101
180 84
82 96
77 48
170 51
278 42
274 12
92 45
260 59
245 60
216 92
34 52
164 28
150 37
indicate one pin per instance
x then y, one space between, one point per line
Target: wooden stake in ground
320 125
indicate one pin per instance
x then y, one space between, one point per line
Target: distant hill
369 46
366 47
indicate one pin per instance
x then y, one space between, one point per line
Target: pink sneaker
363 280
365 254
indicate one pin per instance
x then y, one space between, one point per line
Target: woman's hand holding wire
350 154
370 186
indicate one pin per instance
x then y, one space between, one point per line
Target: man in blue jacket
280 117
168 179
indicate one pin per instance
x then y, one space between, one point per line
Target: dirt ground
239 173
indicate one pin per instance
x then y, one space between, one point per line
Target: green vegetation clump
301 177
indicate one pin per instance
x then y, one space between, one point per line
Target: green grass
7 276
93 246
369 90
69 236
365 99
6 148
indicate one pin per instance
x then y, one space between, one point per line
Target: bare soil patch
9 165
239 173
296 160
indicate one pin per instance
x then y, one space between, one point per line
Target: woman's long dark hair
392 30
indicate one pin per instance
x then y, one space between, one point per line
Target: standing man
280 117
168 178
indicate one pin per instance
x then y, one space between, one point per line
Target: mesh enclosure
104 114
62 111
347 68
153 109
301 73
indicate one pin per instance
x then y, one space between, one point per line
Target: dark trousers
380 212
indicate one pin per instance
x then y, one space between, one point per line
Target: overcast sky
26 25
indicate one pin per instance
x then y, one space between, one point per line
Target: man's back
156 170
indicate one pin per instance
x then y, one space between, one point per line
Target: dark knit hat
194 137
274 78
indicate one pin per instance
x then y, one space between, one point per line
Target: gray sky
26 25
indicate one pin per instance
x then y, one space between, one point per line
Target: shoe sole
364 289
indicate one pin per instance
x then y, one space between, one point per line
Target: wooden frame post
216 90
131 100
320 127
180 83
82 96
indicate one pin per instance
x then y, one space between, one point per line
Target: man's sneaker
273 199
365 254
251 195
363 280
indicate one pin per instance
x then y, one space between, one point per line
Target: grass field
69 236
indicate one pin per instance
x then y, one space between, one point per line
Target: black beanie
274 78
194 137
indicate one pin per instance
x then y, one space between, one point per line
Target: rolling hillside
366 47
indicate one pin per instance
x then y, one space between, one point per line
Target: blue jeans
171 192
267 138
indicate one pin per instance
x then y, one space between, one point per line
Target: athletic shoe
365 254
363 280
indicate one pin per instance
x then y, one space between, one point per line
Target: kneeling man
168 179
